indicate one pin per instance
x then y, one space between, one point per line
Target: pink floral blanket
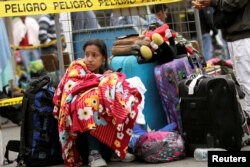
105 105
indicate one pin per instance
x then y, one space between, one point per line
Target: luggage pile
198 98
187 105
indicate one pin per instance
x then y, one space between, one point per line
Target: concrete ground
14 133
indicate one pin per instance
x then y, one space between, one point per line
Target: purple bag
156 147
167 77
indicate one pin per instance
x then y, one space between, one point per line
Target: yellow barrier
34 7
53 42
11 101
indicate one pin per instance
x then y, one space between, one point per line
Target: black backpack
39 142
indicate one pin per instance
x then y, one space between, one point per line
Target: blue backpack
39 142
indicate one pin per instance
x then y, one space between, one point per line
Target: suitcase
167 77
211 113
153 110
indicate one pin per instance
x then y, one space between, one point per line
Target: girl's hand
108 71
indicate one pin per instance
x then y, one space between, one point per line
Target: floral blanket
105 105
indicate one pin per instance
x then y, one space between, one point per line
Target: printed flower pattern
120 135
119 127
127 121
63 135
68 121
100 108
82 72
73 73
58 92
119 87
129 131
117 143
109 94
93 101
132 114
69 85
85 113
55 110
113 79
91 126
98 120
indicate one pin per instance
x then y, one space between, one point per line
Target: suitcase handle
193 84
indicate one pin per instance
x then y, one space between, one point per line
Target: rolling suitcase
153 110
167 77
211 113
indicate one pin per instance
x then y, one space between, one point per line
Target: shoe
128 158
96 160
246 129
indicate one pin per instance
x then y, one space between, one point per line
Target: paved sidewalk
188 162
14 132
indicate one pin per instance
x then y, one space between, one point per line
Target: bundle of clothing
104 105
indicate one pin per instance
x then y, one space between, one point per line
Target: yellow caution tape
34 7
11 101
53 42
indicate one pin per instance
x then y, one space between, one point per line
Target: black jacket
206 20
240 29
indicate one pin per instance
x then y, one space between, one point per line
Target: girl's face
161 15
93 58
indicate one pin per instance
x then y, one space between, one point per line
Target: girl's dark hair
158 7
103 49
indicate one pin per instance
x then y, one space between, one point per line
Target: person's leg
226 52
95 158
34 54
207 46
93 143
240 55
25 58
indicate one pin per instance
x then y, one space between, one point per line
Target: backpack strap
38 83
25 117
12 145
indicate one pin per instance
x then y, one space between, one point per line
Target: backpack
39 141
160 146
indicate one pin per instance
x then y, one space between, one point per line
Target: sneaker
96 160
128 158
246 129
